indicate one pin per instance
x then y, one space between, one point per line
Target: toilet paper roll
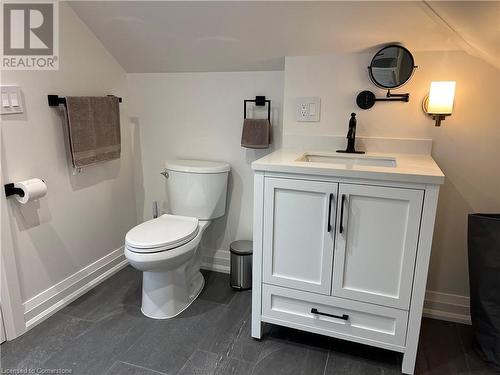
33 189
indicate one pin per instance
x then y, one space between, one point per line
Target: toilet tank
197 188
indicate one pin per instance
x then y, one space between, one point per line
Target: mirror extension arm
366 99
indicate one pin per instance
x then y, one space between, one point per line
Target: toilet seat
161 234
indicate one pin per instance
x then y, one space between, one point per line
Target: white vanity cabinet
298 234
343 256
376 244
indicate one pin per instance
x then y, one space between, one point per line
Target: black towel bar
56 100
259 101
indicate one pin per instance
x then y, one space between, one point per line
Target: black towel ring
259 101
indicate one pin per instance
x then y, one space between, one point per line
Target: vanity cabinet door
376 244
298 233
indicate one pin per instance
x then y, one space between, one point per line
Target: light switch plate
12 100
308 109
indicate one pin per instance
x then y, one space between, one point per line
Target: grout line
73 317
254 366
139 337
326 362
217 303
223 359
187 361
144 368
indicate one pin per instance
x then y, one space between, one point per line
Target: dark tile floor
104 332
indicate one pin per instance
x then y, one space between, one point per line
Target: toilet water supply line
156 209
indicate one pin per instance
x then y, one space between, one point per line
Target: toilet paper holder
11 190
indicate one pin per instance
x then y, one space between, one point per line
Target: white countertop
415 168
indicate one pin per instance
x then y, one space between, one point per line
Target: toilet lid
164 233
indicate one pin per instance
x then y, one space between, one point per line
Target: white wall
84 217
466 146
199 115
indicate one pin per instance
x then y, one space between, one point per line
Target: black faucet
351 137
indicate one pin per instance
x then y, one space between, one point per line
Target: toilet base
167 294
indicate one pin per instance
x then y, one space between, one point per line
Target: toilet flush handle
164 173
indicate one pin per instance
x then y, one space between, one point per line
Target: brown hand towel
93 128
256 133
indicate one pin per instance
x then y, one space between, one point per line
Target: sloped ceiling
476 26
188 36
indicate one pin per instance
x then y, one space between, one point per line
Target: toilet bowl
167 249
172 279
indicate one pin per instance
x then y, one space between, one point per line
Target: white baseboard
444 306
53 299
220 262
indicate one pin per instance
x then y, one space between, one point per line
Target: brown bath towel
93 128
256 133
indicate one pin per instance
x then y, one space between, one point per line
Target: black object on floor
484 278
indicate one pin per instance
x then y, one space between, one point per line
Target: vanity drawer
356 321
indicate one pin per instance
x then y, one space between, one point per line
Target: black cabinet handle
330 213
341 225
343 316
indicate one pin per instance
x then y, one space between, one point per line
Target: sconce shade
441 97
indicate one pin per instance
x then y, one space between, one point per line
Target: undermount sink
349 160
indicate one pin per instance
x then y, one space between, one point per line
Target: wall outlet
308 109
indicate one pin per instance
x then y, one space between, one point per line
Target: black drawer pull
330 213
341 225
343 316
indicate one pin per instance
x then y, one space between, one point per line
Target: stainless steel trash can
241 264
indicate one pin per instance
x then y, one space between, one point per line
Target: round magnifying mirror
391 67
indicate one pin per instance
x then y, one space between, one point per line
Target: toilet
166 249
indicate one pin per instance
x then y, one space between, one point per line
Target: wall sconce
439 102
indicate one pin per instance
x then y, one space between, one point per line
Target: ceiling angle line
469 46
